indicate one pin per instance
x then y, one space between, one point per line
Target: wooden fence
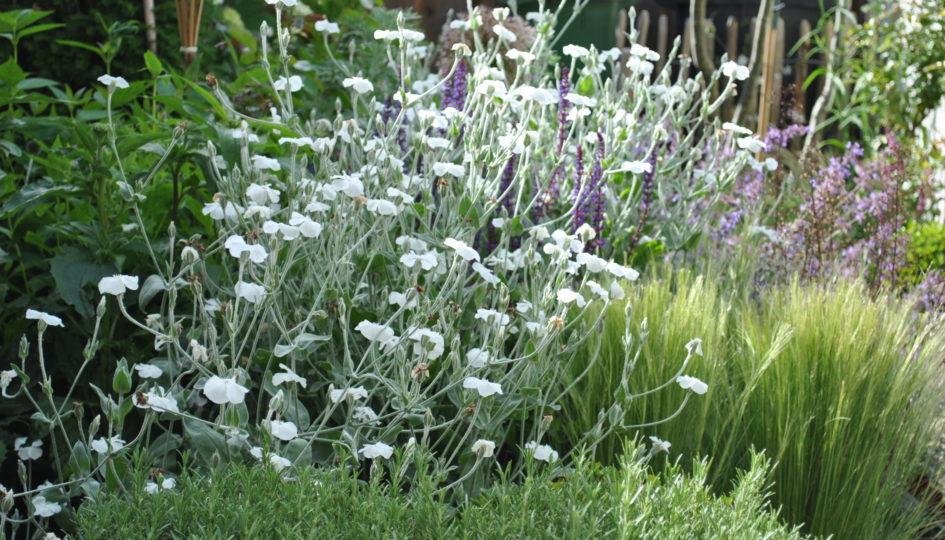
782 78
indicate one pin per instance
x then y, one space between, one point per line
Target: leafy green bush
839 389
926 250
623 502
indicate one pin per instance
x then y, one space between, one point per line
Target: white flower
484 387
401 35
436 142
735 128
485 274
492 316
308 227
428 343
117 284
459 24
250 292
237 246
598 290
478 358
266 163
327 27
198 351
542 452
148 371
735 71
285 431
294 83
360 85
278 462
110 445
337 395
376 450
157 400
752 144
640 50
492 88
27 452
540 96
593 263
580 100
504 33
693 384
288 376
635 167
168 483
622 271
375 332
694 346
616 291
566 296
483 448
612 54
462 249
522 56
442 169
427 261
575 51
286 3
217 211
262 194
51 320
400 299
639 65
44 508
222 391
113 82
382 207
659 445
523 306
6 377
151 488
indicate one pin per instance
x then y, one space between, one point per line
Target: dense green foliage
926 250
623 502
838 388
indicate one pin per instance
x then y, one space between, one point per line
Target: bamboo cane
188 24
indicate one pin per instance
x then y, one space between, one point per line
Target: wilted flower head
483 448
692 384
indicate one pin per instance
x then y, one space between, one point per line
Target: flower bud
24 347
93 427
121 380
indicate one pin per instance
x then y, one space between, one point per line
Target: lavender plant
342 314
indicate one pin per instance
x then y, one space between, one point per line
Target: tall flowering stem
550 193
647 197
589 197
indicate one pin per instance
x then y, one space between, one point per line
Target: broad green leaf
39 28
153 285
204 439
153 64
33 192
73 270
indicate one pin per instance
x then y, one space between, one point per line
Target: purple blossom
589 197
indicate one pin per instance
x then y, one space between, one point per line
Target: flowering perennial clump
345 311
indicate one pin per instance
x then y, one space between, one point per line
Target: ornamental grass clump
840 389
345 313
